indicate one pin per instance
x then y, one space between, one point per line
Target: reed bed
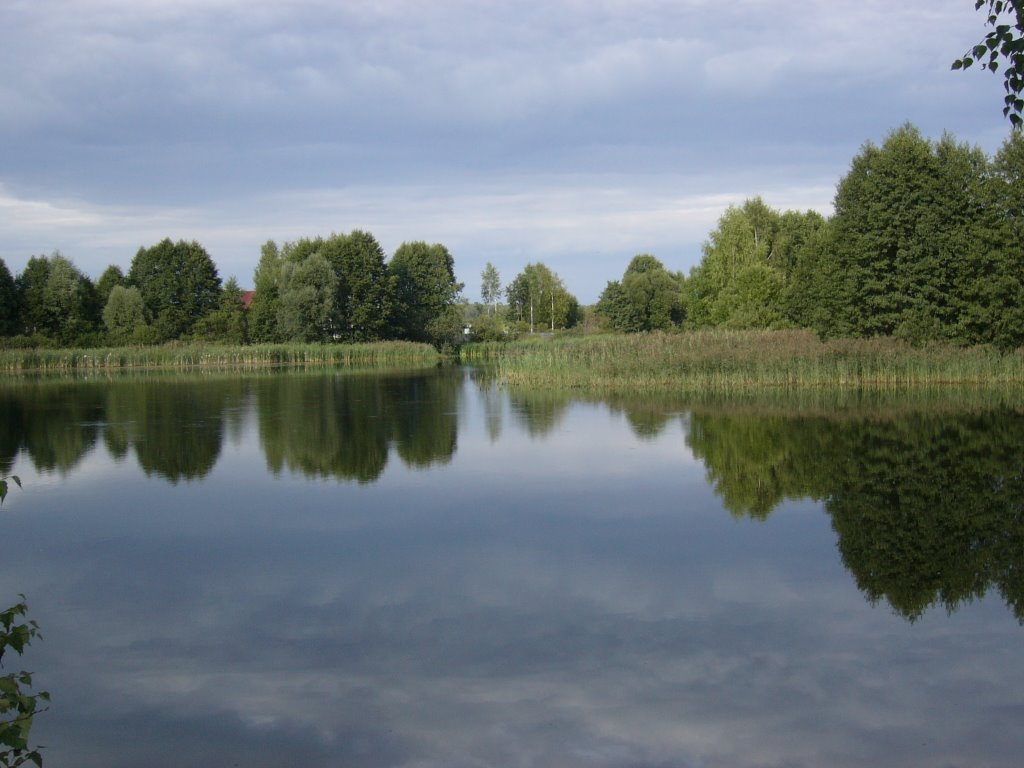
736 361
387 353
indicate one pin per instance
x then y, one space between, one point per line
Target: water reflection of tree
647 415
56 425
486 382
931 510
755 462
425 414
539 412
12 430
927 507
323 426
176 428
343 425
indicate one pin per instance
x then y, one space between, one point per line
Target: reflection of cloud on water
565 646
577 600
590 447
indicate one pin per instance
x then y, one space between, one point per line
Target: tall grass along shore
386 353
729 361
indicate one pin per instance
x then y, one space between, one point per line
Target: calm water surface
424 570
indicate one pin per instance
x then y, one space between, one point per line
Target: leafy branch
1004 43
18 706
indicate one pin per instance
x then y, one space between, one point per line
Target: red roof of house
247 298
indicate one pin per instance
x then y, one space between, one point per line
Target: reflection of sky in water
574 598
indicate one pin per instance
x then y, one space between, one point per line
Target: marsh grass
737 361
387 353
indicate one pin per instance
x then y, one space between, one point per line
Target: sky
578 133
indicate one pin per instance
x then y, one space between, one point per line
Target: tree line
338 288
926 243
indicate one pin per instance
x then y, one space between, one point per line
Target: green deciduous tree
490 287
264 326
346 294
1004 45
9 302
228 323
179 284
538 298
308 294
736 284
112 276
923 246
648 298
365 292
425 292
31 285
124 314
993 295
72 305
57 300
814 281
753 298
615 308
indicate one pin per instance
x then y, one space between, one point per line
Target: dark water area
424 569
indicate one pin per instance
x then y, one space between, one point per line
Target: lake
425 569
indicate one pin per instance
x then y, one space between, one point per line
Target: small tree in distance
490 287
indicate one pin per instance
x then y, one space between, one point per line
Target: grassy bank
387 353
730 361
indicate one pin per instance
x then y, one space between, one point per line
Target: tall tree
913 235
31 285
1003 45
124 314
814 281
425 290
648 298
490 287
739 282
365 292
72 307
9 302
993 292
539 298
309 288
56 299
1008 165
111 277
179 284
265 306
228 323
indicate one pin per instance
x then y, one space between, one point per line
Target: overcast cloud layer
577 132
